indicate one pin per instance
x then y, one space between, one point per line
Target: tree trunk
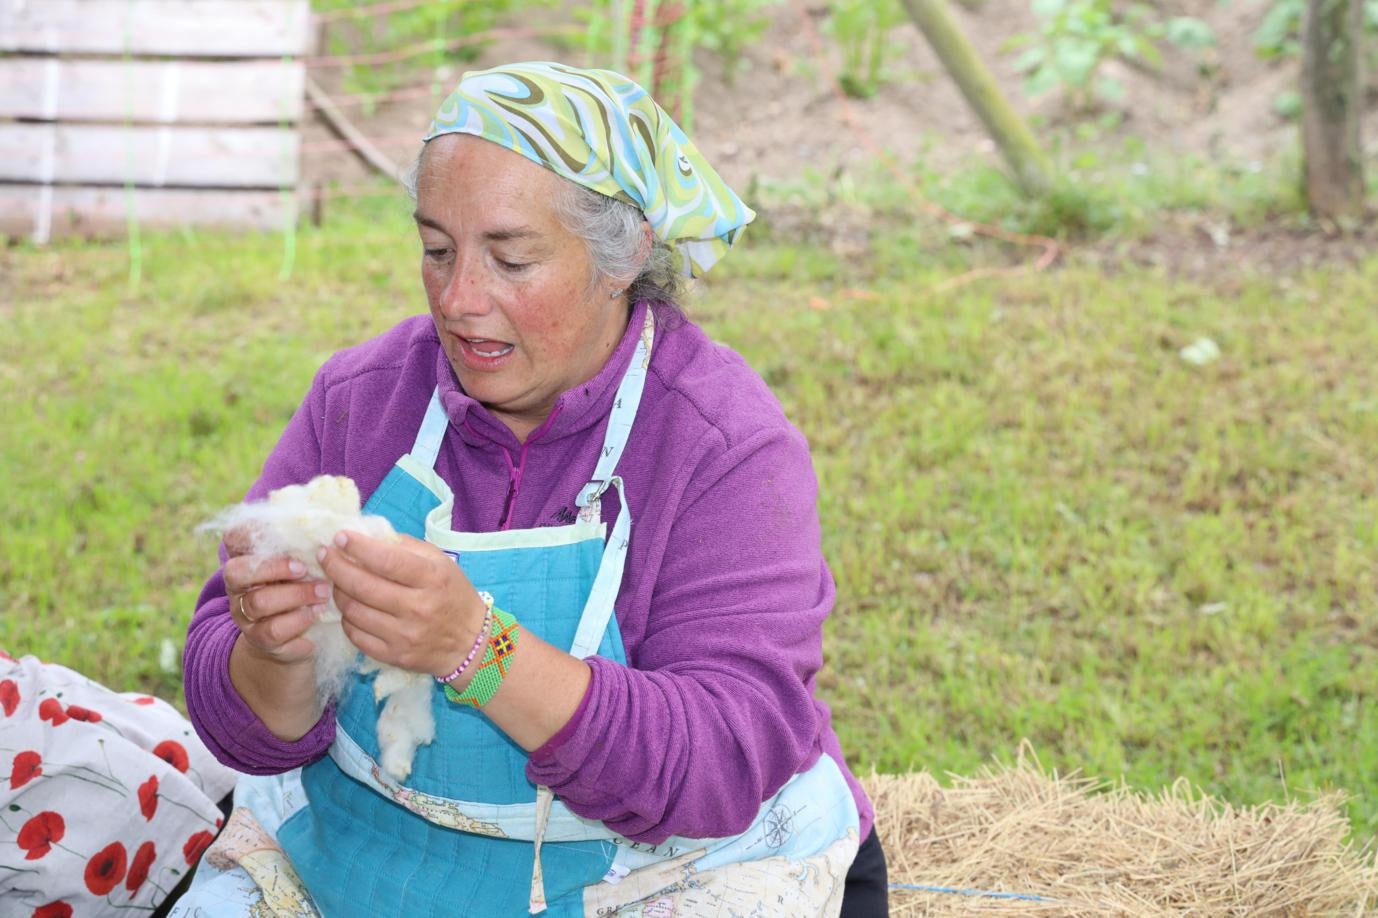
1332 100
1031 169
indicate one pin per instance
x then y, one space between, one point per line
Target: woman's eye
437 254
515 267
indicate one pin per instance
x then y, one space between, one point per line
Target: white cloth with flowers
106 799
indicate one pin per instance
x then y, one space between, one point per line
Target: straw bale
1095 848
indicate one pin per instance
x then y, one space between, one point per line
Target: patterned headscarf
601 130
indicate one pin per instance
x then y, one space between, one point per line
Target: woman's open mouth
483 353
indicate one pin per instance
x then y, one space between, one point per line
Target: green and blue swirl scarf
601 130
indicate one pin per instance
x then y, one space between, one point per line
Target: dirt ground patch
783 120
1204 251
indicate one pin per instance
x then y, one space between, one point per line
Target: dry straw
1091 848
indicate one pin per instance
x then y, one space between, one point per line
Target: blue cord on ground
972 892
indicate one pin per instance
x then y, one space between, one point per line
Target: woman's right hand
270 602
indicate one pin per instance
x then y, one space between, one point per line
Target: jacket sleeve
716 711
233 732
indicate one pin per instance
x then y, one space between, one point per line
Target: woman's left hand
405 603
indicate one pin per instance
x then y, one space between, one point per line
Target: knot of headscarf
601 130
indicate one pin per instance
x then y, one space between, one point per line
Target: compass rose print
778 826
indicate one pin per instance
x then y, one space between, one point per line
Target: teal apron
468 834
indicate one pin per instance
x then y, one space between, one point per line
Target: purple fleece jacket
722 601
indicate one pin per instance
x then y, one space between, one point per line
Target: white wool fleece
298 521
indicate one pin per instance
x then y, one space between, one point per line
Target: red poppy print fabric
172 752
57 909
138 868
26 766
106 869
39 833
106 800
9 696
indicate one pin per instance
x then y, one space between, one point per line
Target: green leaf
1040 81
1189 32
1287 105
1275 35
1031 58
1076 61
1110 88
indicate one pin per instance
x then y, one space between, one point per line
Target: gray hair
612 231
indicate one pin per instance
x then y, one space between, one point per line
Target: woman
628 722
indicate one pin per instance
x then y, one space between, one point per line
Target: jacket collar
576 409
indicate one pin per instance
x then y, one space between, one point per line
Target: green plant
1078 36
1287 105
1279 34
726 28
862 30
439 33
603 24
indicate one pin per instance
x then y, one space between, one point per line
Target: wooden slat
221 92
257 157
41 213
206 28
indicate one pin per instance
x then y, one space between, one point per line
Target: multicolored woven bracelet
496 662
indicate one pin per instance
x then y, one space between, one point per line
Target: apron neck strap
623 413
431 433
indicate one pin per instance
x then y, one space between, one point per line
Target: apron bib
467 833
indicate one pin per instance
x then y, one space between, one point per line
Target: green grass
1124 191
1043 522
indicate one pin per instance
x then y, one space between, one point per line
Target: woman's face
508 286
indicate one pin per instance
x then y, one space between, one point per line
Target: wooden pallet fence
168 112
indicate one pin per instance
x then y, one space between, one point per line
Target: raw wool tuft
1095 849
298 521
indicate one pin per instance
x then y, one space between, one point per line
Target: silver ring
242 614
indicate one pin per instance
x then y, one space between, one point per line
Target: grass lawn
1044 523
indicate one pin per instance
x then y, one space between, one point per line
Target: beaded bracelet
497 660
483 632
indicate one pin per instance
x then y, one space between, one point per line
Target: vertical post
1031 169
136 251
621 33
319 46
1332 92
289 195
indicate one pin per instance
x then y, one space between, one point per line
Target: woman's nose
464 295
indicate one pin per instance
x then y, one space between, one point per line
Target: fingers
245 572
402 562
420 623
283 635
272 606
372 645
393 641
267 601
367 570
356 586
240 539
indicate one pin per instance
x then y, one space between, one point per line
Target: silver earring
616 293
